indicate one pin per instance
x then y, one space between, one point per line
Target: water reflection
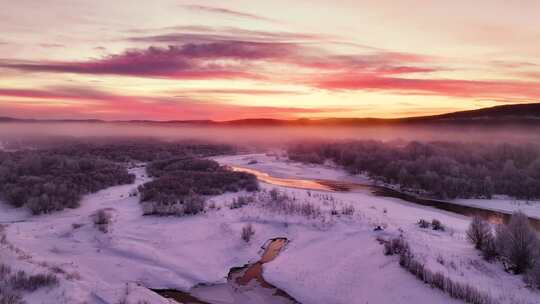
286 182
494 217
244 284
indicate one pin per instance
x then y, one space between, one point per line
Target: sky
223 60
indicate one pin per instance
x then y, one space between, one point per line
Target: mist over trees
143 150
446 170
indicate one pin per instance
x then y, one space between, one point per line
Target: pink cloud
190 61
444 87
243 58
376 70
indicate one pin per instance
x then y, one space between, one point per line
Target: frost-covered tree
180 185
479 232
518 243
442 169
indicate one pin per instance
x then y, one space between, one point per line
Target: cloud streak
90 102
227 12
190 61
203 34
229 59
444 87
252 92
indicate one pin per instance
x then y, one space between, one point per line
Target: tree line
144 150
46 181
445 170
50 176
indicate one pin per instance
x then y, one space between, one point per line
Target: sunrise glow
223 60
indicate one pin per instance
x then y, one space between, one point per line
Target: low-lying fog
272 135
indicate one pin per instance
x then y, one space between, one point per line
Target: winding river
492 216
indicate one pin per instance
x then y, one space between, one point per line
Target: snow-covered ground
330 259
278 165
504 204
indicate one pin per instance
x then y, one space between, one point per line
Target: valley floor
330 258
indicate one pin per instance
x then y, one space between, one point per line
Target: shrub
193 204
247 233
489 248
76 225
11 284
457 290
281 202
240 202
275 195
479 232
532 277
5 271
163 209
422 223
102 219
347 210
308 210
396 246
518 243
8 297
437 225
23 281
189 205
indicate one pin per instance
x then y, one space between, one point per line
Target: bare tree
247 233
479 232
518 243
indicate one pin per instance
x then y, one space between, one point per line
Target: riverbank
279 166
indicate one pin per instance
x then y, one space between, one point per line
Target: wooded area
441 169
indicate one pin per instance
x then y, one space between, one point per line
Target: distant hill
530 111
507 114
522 114
10 119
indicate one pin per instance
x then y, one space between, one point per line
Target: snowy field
331 259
